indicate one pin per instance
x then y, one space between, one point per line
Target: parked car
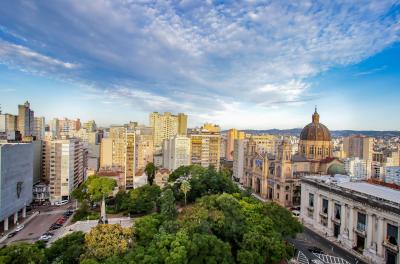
12 234
19 228
45 237
295 213
68 213
59 203
316 250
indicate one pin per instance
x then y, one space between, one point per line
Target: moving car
59 203
19 228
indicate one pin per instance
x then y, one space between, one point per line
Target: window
392 234
361 221
338 210
287 197
311 200
312 150
325 206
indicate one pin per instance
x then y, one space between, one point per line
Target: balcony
336 220
310 208
324 212
360 229
391 243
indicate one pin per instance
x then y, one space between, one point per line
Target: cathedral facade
276 177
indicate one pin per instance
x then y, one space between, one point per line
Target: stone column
317 207
351 224
331 207
24 212
379 237
370 225
6 224
343 220
15 217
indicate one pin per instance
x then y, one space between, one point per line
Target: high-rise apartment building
206 143
356 168
182 124
239 149
39 127
54 127
166 126
118 151
63 167
25 120
130 159
144 146
358 146
90 126
230 138
8 123
67 126
176 152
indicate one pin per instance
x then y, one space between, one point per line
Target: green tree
99 187
67 249
104 241
185 188
143 199
22 253
150 171
146 228
167 200
205 248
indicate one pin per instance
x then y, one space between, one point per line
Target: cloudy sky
244 64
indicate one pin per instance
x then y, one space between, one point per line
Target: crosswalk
331 259
301 258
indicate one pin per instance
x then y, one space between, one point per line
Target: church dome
315 131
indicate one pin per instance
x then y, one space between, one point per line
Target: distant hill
335 133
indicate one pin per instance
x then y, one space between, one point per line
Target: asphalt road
310 239
39 224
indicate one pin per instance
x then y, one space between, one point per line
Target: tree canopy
220 224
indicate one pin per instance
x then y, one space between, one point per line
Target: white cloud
198 56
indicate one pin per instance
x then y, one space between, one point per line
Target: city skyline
248 65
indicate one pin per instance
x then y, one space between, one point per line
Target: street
39 224
309 239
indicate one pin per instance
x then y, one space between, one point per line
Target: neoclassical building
360 216
276 176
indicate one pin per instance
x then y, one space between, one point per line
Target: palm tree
185 188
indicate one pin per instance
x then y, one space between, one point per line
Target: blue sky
244 64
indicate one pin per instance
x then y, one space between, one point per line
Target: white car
58 203
19 228
295 213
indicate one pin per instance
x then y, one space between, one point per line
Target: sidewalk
85 226
24 222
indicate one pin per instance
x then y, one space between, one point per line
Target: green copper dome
336 169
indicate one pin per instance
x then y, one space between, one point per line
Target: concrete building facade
239 149
356 168
232 134
176 152
16 174
63 167
205 146
25 120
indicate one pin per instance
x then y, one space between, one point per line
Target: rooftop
369 191
374 190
